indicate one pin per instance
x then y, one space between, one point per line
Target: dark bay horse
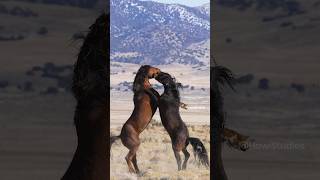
145 105
169 103
90 88
220 76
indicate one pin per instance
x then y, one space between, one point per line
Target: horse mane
141 75
224 76
220 76
90 89
174 87
90 71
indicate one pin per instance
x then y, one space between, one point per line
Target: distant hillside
157 33
153 33
276 39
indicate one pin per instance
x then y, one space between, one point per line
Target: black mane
90 88
90 71
219 77
170 85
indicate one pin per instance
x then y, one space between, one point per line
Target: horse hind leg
135 163
186 155
178 158
129 158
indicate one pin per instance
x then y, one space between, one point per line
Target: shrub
286 24
3 9
12 38
42 31
51 90
26 87
263 84
4 84
228 40
185 86
298 87
65 82
29 73
36 68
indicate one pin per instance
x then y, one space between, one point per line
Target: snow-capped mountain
156 33
205 8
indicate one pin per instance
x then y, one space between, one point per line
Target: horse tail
113 139
199 151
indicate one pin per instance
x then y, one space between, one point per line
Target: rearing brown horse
145 105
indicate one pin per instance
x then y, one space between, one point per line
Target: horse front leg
135 164
178 158
183 105
186 155
129 158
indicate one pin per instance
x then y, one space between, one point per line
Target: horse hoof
141 174
132 171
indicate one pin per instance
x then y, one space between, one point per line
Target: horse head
143 75
167 80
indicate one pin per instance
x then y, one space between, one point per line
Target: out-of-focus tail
113 139
199 151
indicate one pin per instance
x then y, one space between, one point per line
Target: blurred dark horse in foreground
219 77
145 105
235 140
169 103
90 87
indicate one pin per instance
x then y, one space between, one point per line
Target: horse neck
146 83
172 92
217 129
217 103
92 131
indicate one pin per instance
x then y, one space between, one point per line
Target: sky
191 3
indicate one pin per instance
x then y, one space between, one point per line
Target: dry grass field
155 156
